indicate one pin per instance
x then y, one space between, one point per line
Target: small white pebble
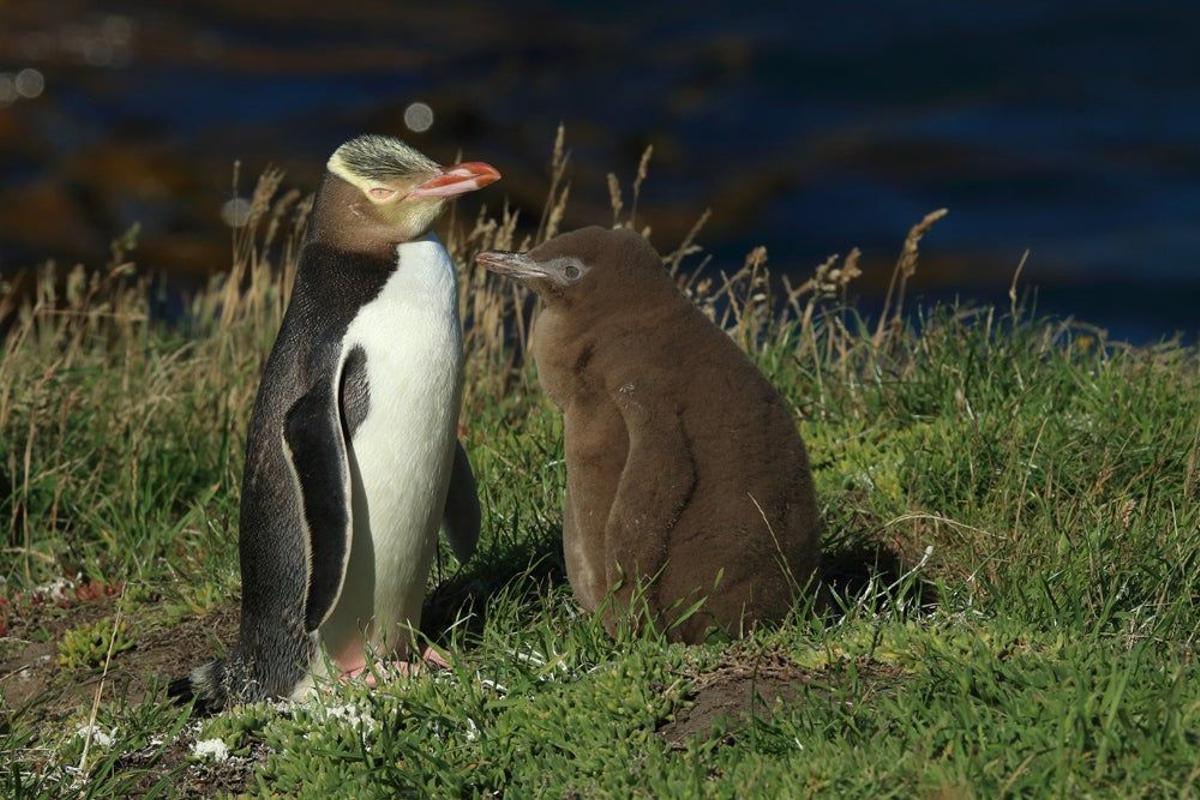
353 715
215 749
529 657
56 590
99 737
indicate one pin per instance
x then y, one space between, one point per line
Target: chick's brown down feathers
685 472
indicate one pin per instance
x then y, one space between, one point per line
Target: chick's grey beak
515 265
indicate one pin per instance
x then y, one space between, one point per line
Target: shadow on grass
851 571
461 601
869 569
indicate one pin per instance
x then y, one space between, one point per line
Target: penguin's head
597 286
598 264
396 192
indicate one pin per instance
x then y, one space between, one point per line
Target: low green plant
88 646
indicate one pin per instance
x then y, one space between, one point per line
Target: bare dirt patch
28 649
188 778
735 691
164 653
32 678
752 686
29 670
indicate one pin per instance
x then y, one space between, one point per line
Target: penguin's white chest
402 451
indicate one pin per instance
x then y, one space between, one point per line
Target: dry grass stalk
643 170
749 303
91 724
906 267
828 282
556 199
688 246
614 199
1012 289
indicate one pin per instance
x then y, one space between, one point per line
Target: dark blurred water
1069 129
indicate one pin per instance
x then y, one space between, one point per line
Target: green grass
1011 510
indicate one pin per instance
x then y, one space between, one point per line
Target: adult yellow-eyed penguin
352 462
684 467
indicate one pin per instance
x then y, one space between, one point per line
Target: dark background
1071 129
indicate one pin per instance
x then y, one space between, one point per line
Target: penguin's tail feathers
207 685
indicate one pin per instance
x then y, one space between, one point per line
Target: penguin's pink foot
430 659
434 659
356 672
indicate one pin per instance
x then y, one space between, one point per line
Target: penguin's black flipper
461 520
313 439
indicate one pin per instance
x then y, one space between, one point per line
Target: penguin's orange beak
458 179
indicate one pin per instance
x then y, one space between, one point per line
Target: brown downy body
684 467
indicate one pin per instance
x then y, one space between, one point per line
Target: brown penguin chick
685 473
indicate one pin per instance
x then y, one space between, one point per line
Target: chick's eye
381 192
572 272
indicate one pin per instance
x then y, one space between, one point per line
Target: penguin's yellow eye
572 272
381 193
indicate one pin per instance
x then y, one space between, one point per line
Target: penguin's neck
424 273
